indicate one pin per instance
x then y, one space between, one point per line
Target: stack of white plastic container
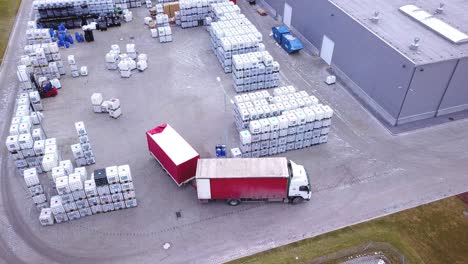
42 56
73 67
96 102
107 190
255 105
51 155
131 51
35 100
26 140
83 71
124 62
165 34
142 63
114 108
113 187
54 8
99 6
159 9
162 20
221 9
23 74
193 12
112 57
111 106
128 15
82 152
254 71
235 36
124 4
126 65
149 4
35 188
64 168
289 120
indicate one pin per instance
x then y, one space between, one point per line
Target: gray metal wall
456 96
426 91
277 5
381 74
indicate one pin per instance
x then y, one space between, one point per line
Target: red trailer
235 180
175 155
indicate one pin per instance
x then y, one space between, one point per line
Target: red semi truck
236 180
174 154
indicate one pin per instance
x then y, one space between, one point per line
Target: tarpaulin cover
176 156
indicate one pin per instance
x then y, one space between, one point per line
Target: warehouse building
406 60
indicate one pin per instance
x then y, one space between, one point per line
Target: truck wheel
233 202
297 200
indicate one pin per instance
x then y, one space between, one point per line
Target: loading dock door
287 14
326 53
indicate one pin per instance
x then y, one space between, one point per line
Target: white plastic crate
46 217
30 177
112 174
74 181
61 184
124 173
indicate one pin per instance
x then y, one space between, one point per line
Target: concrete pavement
362 173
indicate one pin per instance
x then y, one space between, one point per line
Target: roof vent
440 9
415 44
375 19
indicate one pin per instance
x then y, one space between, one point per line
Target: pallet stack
64 168
82 152
222 9
55 9
113 107
126 66
26 140
51 13
73 66
112 57
35 188
108 189
162 20
51 155
165 34
192 13
36 103
142 62
131 51
125 4
232 37
254 71
42 57
289 120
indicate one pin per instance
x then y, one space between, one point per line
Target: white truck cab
299 184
